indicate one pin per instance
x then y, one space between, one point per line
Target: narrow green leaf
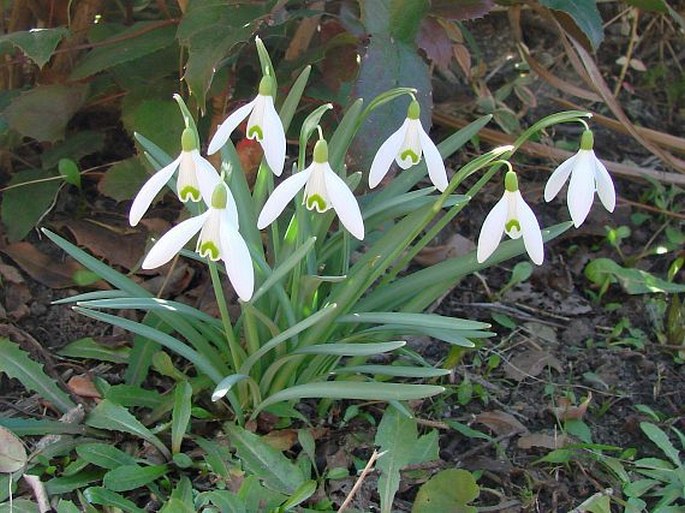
105 497
289 107
303 492
285 267
29 427
91 349
413 319
308 128
661 440
17 364
180 416
112 417
344 349
104 455
394 370
344 133
130 477
67 484
265 462
19 506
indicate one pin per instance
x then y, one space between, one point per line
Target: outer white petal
281 196
207 177
434 162
386 154
344 203
605 186
173 241
226 128
493 227
558 178
274 137
147 193
532 236
237 259
581 188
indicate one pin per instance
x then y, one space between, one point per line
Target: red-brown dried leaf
500 422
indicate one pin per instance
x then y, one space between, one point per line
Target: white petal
274 138
207 176
581 188
173 241
385 155
491 232
532 236
558 178
434 162
605 186
344 203
226 128
147 193
281 196
238 260
411 143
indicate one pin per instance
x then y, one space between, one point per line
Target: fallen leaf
250 154
16 293
12 452
500 422
542 440
456 245
565 410
44 268
281 439
529 364
83 386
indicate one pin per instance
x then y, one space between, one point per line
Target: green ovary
315 201
189 193
411 155
255 132
209 249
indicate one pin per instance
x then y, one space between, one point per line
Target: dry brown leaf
500 422
530 363
12 452
281 439
44 268
301 39
456 245
16 293
83 386
542 440
565 410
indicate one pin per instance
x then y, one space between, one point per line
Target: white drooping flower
323 190
405 147
264 125
513 216
219 239
196 178
588 175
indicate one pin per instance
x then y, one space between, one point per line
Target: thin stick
360 480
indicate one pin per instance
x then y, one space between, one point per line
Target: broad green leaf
104 455
180 416
226 501
157 118
660 439
19 506
649 5
344 349
32 427
67 484
112 417
138 40
12 452
38 44
174 505
584 14
67 507
633 281
448 491
20 216
91 349
75 147
104 497
303 492
363 391
17 364
43 112
265 462
405 18
68 169
259 497
130 477
124 179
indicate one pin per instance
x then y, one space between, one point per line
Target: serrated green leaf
105 497
130 477
661 440
20 216
38 44
265 462
29 427
16 363
91 349
584 14
138 40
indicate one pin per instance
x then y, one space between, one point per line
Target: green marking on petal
208 249
189 193
512 226
408 153
255 132
315 201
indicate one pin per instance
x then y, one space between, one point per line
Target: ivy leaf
584 14
38 44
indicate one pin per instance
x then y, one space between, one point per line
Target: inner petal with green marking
410 154
316 201
209 250
513 228
189 193
255 132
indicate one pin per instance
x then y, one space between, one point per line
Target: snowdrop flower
588 175
323 190
264 125
219 239
513 216
405 146
196 178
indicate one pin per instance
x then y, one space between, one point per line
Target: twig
360 480
39 492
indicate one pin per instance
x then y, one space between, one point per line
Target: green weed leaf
20 216
448 491
584 14
38 44
130 477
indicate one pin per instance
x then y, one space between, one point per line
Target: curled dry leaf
542 440
456 245
564 410
83 386
530 364
501 423
12 452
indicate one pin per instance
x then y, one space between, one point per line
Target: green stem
225 318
